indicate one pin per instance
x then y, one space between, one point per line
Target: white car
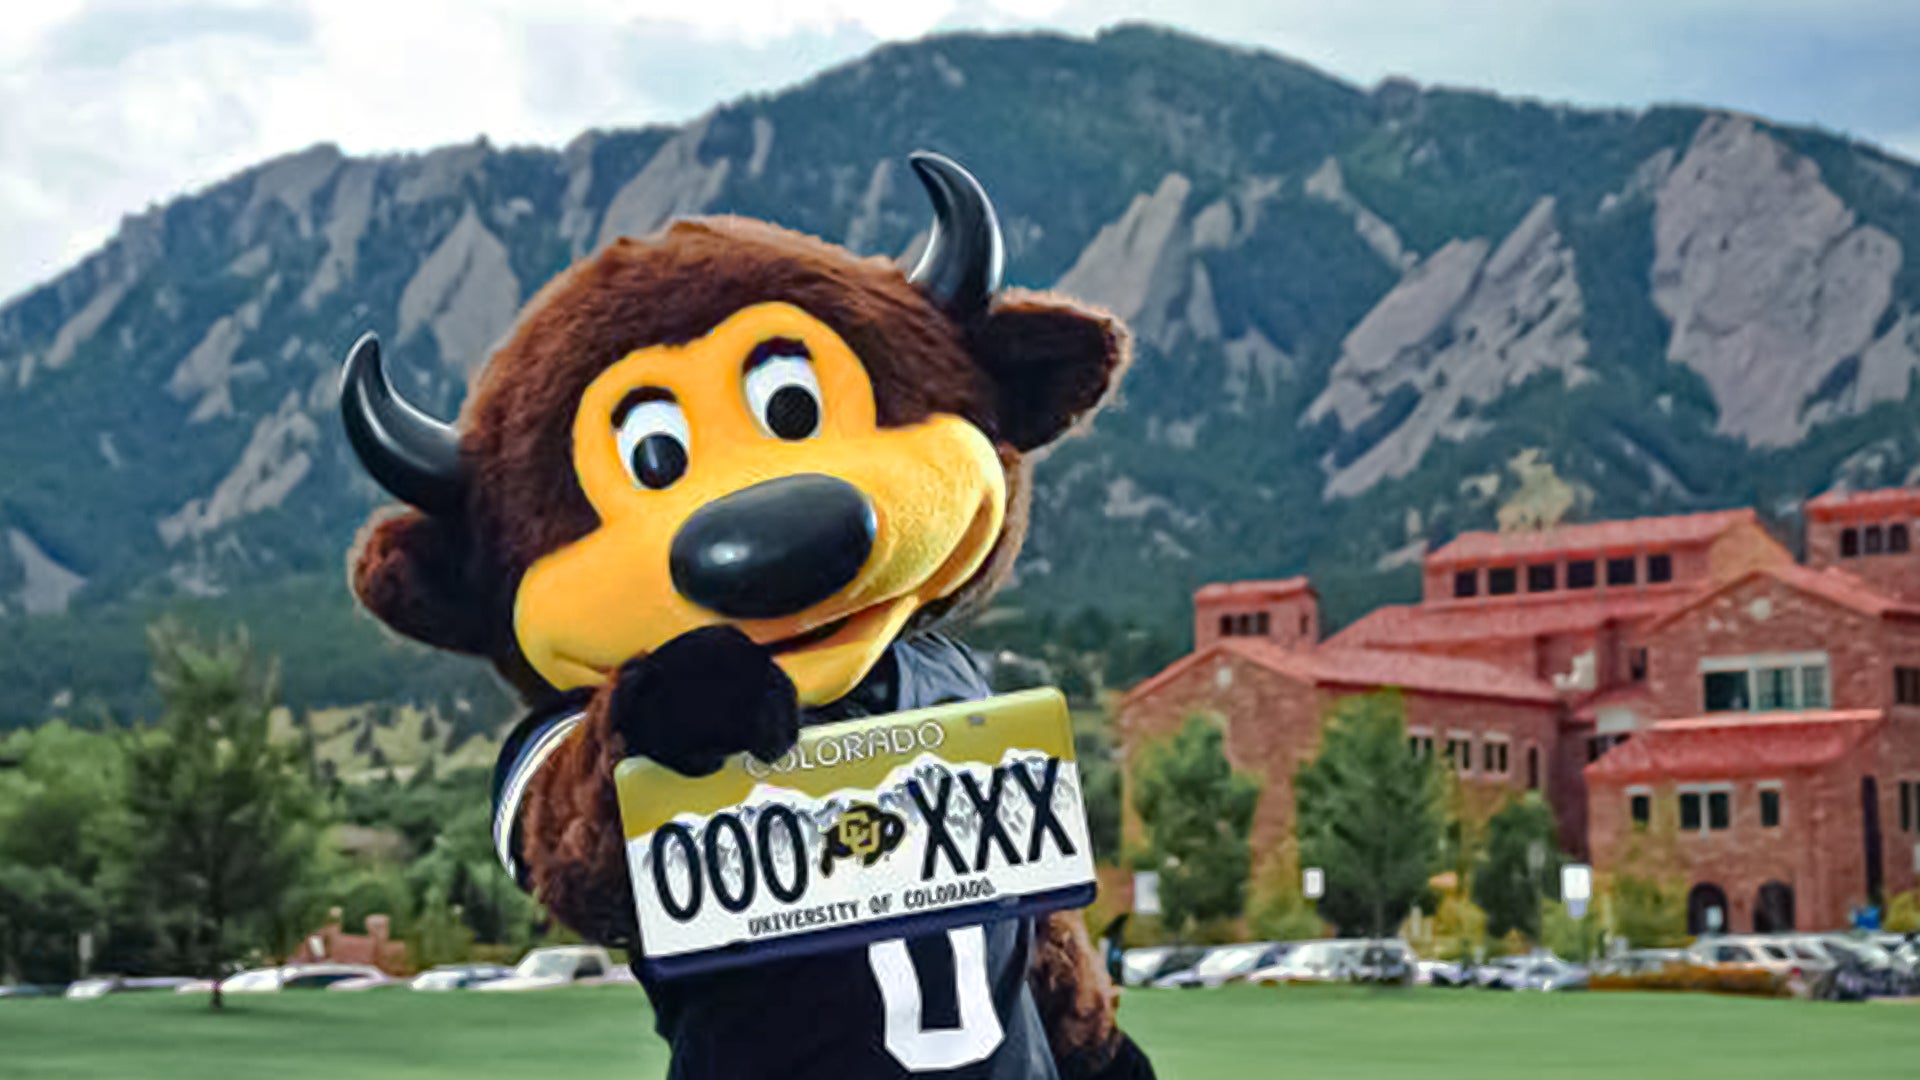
297 977
1225 964
87 989
1311 961
459 976
563 965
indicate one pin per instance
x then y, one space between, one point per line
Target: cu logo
863 832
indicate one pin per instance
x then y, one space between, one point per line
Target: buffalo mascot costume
716 485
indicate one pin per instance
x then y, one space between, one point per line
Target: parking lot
1235 1031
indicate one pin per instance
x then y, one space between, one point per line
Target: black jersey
952 1004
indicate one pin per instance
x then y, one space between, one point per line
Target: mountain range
1367 319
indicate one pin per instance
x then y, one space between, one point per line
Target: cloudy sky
108 106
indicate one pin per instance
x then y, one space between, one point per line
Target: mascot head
728 422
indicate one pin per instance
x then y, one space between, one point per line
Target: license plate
868 829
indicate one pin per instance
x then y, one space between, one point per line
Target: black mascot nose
776 548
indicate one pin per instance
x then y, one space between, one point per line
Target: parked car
102 985
1488 975
1144 967
1226 963
550 968
1548 973
378 980
1441 973
1309 961
459 976
291 977
1386 961
1139 966
1881 973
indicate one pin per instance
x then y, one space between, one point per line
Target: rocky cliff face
1354 309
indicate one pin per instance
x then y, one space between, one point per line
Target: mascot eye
653 438
785 396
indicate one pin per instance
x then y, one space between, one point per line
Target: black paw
703 697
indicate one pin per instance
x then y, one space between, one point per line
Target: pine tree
225 825
1369 816
1198 812
1520 868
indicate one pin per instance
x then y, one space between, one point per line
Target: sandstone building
1680 676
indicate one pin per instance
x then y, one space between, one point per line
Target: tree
1197 813
228 825
61 821
1520 867
1368 814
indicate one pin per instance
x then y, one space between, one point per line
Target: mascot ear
1052 362
409 571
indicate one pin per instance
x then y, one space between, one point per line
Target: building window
1620 571
1872 540
1773 688
1637 664
1421 744
1719 809
1493 755
1640 809
1226 626
1306 626
1813 686
1769 807
1580 574
1261 624
1896 538
1738 688
1909 794
1659 569
1726 691
1906 686
1533 768
1849 543
1690 810
1466 583
1460 753
1541 577
1501 580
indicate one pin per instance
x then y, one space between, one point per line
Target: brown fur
1023 373
1071 988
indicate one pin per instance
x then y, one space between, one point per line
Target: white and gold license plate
868 829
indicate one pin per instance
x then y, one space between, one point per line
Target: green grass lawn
1322 1034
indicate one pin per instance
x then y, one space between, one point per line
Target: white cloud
109 106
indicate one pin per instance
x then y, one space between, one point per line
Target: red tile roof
1506 619
1599 536
1253 590
1843 504
1726 745
1329 666
1831 584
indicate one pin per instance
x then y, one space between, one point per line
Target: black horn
961 268
415 457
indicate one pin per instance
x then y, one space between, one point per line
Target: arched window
1226 626
1773 908
1874 541
1849 543
1533 768
1706 909
1896 538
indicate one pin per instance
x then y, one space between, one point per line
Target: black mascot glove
702 697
